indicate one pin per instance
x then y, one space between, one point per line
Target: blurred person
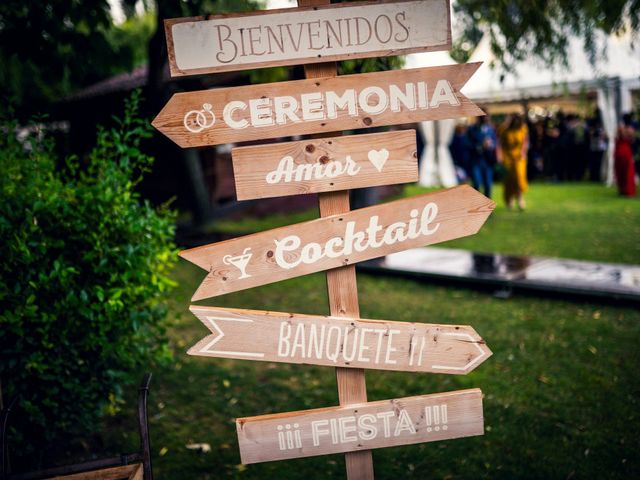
597 142
482 158
535 166
623 158
460 149
513 146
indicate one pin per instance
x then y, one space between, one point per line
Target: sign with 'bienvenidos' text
218 43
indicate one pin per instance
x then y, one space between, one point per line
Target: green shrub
84 271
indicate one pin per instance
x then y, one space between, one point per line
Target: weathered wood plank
387 423
325 164
316 105
268 38
338 240
338 342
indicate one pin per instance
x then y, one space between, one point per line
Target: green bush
84 272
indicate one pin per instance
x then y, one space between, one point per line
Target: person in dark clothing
460 150
482 158
597 141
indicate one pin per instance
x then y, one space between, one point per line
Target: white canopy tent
612 79
436 164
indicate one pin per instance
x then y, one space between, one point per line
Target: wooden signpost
338 240
317 34
339 342
316 105
325 164
387 423
218 43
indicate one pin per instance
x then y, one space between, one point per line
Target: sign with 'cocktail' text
325 164
218 43
319 105
364 426
339 342
338 240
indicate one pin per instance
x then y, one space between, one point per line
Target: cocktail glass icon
239 261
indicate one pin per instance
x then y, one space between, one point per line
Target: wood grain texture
387 423
325 164
113 473
300 107
338 341
310 34
338 240
342 290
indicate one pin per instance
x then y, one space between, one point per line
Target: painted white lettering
317 430
390 349
283 339
443 93
227 114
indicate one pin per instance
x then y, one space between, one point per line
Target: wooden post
343 293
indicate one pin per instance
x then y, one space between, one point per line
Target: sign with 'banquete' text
338 240
319 105
218 43
339 342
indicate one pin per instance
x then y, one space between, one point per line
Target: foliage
84 275
133 34
49 50
520 28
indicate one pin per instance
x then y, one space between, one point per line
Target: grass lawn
562 390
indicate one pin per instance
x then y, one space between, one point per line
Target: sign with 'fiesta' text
338 240
319 105
338 342
364 426
218 43
325 164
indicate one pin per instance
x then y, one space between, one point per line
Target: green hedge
84 276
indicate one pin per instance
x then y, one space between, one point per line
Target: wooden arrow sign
339 342
338 240
291 36
325 164
318 105
387 423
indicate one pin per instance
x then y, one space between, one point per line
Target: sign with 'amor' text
218 43
339 342
319 105
338 240
325 164
387 423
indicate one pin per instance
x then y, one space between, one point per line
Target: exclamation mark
281 443
436 418
443 415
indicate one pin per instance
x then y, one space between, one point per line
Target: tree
49 50
519 28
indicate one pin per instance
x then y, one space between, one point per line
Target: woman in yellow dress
513 146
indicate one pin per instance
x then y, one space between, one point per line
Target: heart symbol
378 158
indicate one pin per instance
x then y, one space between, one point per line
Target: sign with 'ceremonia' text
325 164
338 240
239 41
364 426
319 105
339 342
